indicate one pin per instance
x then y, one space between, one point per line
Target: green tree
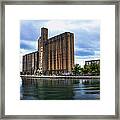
77 69
91 69
87 69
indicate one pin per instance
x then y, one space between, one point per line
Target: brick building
30 63
55 55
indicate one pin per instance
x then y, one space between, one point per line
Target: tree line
91 69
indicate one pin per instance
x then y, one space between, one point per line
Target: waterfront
59 89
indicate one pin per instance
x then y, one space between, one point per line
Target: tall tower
41 49
44 34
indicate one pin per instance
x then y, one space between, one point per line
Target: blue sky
86 36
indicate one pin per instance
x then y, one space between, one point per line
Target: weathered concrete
69 77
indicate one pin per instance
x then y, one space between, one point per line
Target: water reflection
59 89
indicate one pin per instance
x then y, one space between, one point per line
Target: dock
61 77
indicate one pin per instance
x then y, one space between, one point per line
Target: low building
89 62
30 63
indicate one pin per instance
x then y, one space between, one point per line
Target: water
59 89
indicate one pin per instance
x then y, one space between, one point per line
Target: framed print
60 59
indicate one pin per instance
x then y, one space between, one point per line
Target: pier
61 77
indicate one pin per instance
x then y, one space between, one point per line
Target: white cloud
90 26
25 51
30 43
81 59
97 53
66 25
83 49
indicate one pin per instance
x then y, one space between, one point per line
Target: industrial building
55 55
89 62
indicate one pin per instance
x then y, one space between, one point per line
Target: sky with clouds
86 36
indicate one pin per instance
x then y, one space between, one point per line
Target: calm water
44 89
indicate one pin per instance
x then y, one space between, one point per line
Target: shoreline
68 77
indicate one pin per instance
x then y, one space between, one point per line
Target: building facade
89 62
54 56
30 63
